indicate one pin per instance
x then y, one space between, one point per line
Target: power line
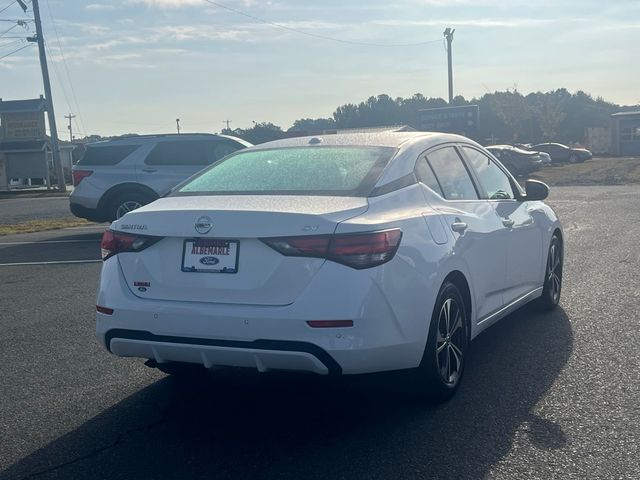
10 3
57 75
64 63
316 35
18 23
8 44
8 30
15 51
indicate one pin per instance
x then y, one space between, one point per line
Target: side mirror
536 190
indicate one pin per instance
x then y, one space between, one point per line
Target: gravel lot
545 396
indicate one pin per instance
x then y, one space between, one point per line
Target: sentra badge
133 226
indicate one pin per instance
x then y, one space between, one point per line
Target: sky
125 66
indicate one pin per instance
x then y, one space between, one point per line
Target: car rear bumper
263 355
264 337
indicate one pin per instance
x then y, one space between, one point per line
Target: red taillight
310 246
115 242
78 175
359 250
366 244
104 310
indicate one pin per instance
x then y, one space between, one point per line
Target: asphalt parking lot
545 395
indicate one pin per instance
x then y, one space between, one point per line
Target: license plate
210 256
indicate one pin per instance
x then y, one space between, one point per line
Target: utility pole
178 125
448 35
70 116
57 163
227 122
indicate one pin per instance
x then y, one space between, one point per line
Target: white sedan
339 254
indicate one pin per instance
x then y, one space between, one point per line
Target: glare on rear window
342 171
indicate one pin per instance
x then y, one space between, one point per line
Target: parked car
117 176
562 153
523 146
518 161
339 254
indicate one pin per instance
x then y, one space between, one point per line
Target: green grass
42 225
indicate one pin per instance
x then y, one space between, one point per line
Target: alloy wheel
554 272
126 207
450 340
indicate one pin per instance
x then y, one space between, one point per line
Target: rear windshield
107 155
342 171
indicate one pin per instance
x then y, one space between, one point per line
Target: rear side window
107 155
426 176
452 175
343 171
190 152
493 179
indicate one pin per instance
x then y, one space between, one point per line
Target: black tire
125 202
435 379
574 158
552 287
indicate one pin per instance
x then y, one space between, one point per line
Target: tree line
505 117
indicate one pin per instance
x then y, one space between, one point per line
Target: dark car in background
518 161
563 153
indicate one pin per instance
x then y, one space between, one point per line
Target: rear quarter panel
410 282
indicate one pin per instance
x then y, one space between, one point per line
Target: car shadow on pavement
296 426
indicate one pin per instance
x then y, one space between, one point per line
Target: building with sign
462 120
25 149
625 133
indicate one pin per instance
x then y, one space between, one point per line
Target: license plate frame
214 243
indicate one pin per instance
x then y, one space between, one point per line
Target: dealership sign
462 120
23 125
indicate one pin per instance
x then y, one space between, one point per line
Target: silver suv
117 176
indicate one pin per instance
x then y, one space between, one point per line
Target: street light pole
448 35
57 162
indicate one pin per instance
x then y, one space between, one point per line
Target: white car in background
339 254
119 175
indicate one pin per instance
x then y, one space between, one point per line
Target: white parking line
50 241
61 262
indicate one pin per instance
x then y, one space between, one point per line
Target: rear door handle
149 170
508 222
458 226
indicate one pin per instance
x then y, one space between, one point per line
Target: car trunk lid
235 224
